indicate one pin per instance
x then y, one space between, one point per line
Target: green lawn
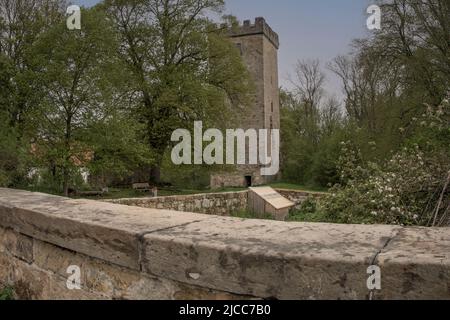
121 193
130 193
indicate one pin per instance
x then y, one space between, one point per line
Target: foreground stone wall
38 270
220 204
135 253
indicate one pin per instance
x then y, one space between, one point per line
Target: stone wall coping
302 191
265 259
181 196
212 194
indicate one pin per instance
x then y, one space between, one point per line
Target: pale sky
308 29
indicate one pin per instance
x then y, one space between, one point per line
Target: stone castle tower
258 45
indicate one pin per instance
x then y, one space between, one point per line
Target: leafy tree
21 23
398 68
385 81
311 126
415 35
74 70
182 67
118 148
12 146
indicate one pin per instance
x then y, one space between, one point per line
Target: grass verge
6 293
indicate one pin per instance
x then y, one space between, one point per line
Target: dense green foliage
6 293
180 67
387 156
107 97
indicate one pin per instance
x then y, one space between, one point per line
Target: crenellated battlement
260 26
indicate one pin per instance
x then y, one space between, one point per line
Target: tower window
271 106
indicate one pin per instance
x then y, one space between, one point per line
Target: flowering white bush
412 188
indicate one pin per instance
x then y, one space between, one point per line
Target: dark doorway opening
248 181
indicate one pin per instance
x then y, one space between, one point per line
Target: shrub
307 212
6 293
411 188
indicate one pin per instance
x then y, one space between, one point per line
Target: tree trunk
155 174
65 182
155 169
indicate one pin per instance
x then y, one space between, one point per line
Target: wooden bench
143 187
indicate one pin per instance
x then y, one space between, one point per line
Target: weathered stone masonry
220 204
258 45
136 253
